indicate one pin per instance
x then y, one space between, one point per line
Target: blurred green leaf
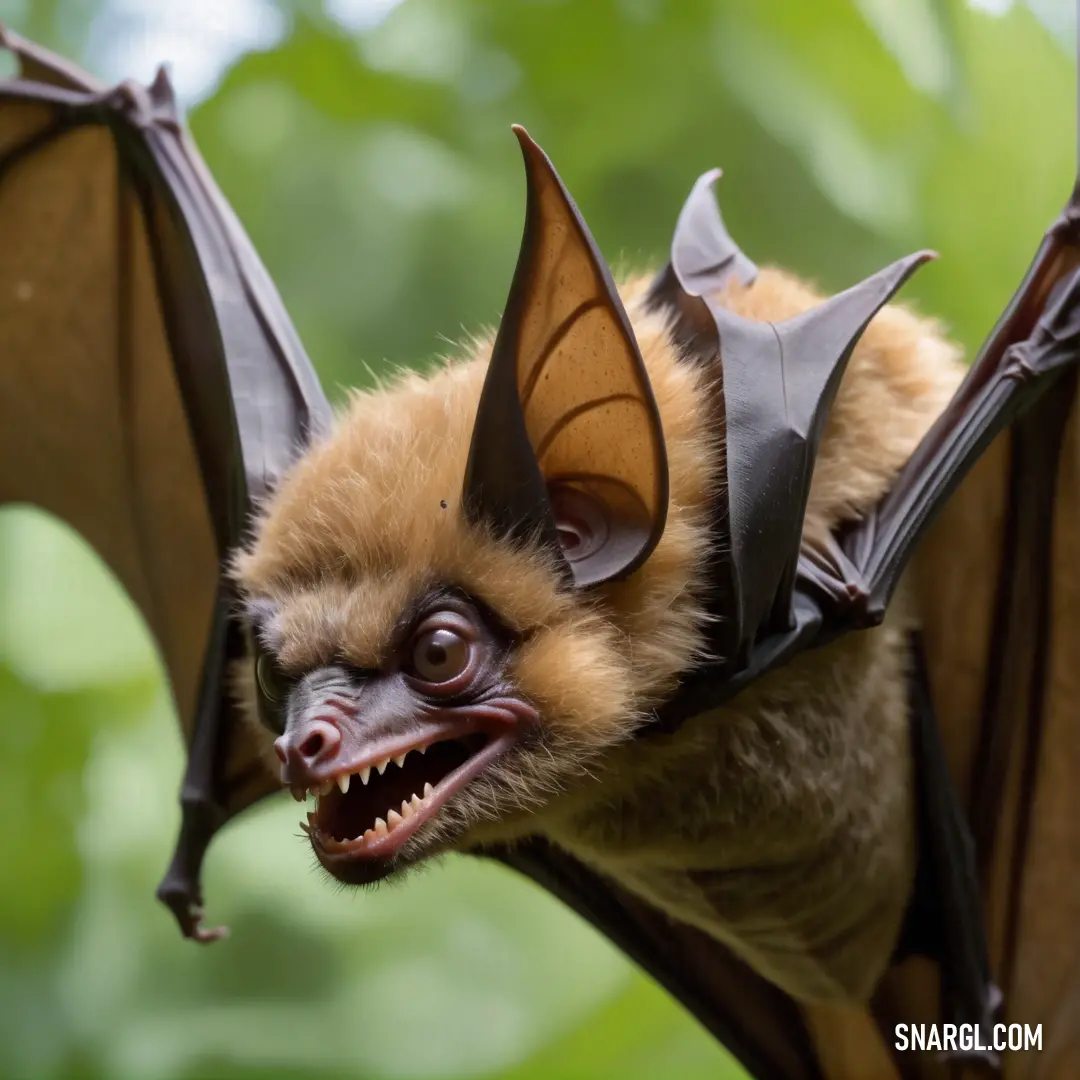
64 622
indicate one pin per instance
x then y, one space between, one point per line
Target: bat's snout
383 755
306 749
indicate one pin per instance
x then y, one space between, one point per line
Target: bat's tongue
394 794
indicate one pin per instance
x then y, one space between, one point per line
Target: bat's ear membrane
704 258
567 445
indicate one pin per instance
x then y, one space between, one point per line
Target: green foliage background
366 148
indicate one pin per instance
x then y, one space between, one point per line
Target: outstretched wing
986 514
151 385
998 574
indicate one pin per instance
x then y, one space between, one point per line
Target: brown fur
782 823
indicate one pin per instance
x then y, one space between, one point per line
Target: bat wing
986 515
998 574
151 386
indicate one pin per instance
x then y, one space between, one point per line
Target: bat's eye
440 655
274 684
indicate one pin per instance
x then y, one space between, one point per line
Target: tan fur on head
371 516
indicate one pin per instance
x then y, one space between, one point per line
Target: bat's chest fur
781 824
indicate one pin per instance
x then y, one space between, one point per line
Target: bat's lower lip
362 861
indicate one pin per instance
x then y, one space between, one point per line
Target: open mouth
366 813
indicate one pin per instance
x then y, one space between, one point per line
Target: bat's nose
304 749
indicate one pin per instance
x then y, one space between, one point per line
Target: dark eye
440 655
274 684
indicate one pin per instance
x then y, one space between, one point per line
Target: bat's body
781 823
720 610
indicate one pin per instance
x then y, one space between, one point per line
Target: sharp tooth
382 766
325 788
364 774
298 793
306 827
428 789
343 784
393 819
380 827
369 836
399 761
416 802
406 810
423 749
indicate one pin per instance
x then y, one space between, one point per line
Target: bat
735 616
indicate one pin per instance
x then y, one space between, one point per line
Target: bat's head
478 584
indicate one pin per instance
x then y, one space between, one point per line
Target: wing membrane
151 386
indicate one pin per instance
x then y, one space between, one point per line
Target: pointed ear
703 258
567 444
